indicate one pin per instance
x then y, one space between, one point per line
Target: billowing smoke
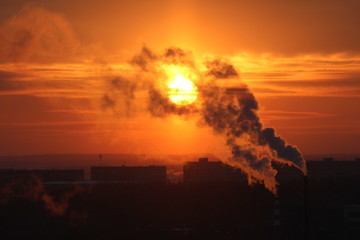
31 188
228 111
39 36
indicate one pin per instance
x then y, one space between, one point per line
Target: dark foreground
173 211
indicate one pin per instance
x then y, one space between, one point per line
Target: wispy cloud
63 81
309 75
288 115
327 129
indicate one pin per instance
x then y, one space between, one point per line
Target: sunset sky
301 59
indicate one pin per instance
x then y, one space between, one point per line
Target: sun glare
182 91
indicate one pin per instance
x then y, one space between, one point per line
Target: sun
182 91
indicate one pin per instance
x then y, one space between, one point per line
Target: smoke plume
31 188
229 112
38 35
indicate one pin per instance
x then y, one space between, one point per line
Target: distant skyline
300 59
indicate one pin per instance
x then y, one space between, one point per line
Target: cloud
288 115
344 82
56 81
335 75
326 129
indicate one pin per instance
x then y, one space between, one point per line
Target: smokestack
100 158
229 112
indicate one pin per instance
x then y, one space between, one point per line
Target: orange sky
301 60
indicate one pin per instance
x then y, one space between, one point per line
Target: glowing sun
182 91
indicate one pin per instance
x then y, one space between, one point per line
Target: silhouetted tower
100 158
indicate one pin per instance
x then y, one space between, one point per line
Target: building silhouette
72 175
351 221
205 171
129 174
326 207
329 168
